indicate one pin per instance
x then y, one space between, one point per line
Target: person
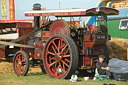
104 69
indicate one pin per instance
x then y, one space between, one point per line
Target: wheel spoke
23 63
64 68
67 60
21 57
57 70
65 63
23 60
18 67
61 67
54 49
66 51
53 70
64 48
52 64
50 59
61 43
55 45
55 65
51 53
18 58
23 68
66 56
59 46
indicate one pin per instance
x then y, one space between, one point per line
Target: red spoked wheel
60 56
21 63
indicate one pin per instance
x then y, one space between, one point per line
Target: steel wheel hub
20 63
58 57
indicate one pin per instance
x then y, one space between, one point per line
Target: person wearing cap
103 69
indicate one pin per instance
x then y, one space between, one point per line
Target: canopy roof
74 12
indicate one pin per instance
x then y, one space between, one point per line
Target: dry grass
118 48
7 67
34 69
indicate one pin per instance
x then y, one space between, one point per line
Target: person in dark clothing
103 69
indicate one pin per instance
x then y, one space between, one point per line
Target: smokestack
36 18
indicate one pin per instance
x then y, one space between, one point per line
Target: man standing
103 69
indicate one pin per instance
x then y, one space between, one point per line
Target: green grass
44 79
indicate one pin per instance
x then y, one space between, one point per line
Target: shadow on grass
91 75
79 80
36 74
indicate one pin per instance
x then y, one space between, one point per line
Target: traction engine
62 47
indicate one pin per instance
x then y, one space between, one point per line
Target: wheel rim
57 57
20 64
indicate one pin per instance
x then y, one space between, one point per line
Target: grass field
44 79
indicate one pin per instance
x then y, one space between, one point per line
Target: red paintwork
90 27
56 14
38 53
57 49
88 12
38 43
87 60
87 37
97 44
21 27
45 35
2 52
59 27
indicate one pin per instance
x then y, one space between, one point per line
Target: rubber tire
74 55
106 53
27 63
